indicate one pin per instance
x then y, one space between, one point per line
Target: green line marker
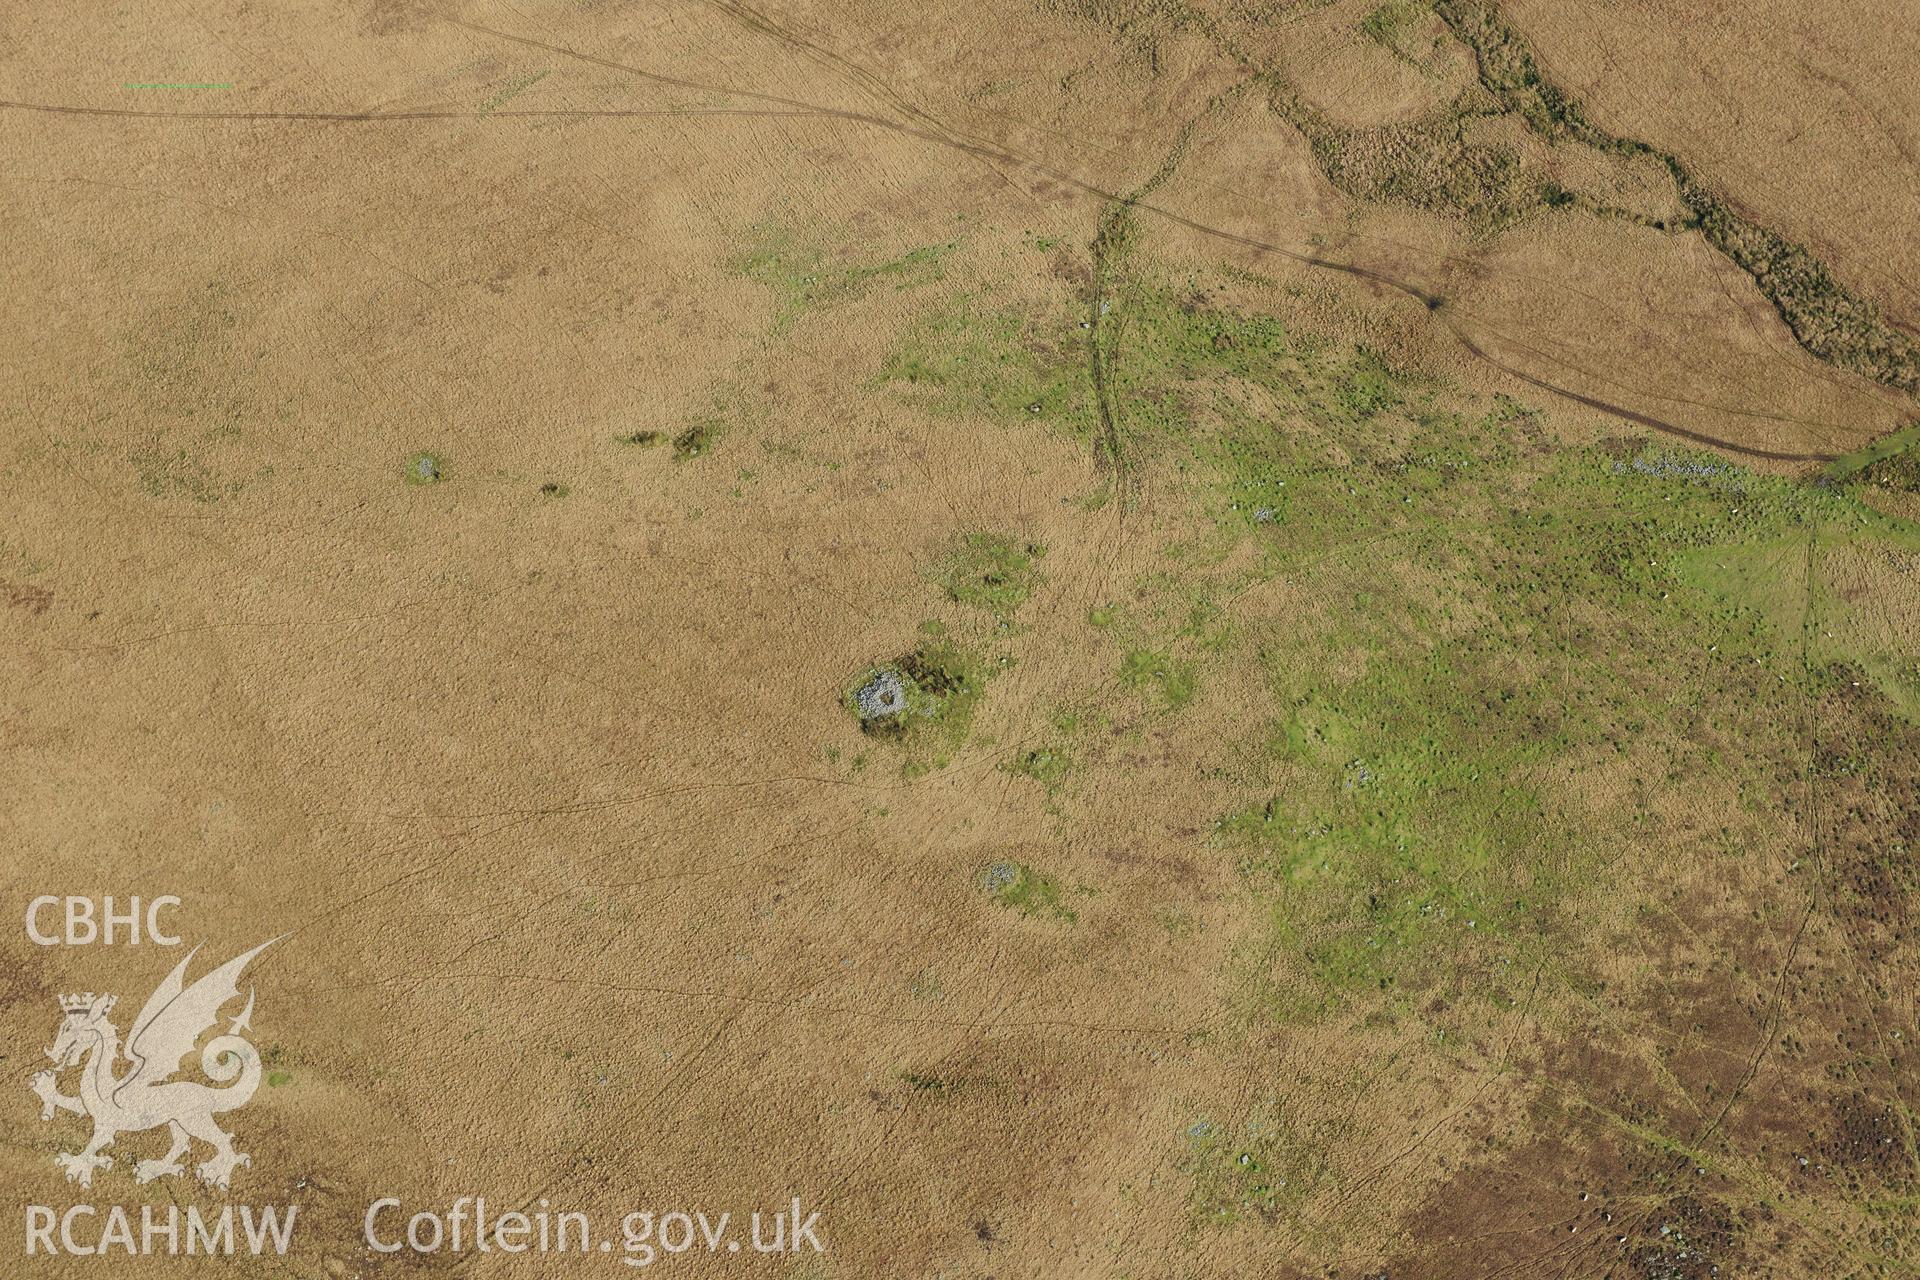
159 85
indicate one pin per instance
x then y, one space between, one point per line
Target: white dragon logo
170 1024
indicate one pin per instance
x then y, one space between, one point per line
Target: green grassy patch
1892 462
991 571
1367 387
1474 619
1170 358
1384 24
1021 888
968 359
1252 1171
805 278
1759 594
1046 765
1157 672
1644 607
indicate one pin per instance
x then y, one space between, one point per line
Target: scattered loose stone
882 697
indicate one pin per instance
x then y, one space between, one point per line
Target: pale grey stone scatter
881 697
